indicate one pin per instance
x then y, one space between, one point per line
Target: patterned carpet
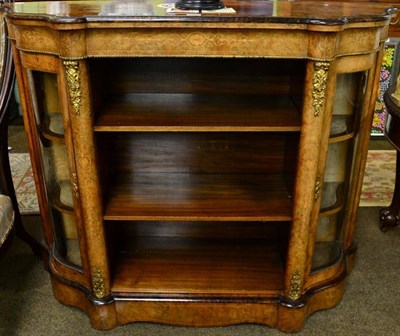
23 183
377 187
379 178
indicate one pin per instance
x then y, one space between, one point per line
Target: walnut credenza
198 170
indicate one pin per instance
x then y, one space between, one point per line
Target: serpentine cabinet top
247 11
259 28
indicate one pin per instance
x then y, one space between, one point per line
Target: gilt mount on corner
199 4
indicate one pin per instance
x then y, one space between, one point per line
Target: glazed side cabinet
198 170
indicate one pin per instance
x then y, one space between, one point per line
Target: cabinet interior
190 176
244 259
142 94
197 138
201 161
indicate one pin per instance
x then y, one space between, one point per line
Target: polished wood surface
394 27
168 112
390 216
182 94
209 258
197 149
199 197
258 11
199 39
204 175
392 125
201 267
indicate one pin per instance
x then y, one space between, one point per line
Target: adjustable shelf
198 175
198 112
52 136
202 267
341 138
180 196
64 194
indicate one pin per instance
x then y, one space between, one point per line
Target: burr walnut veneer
198 170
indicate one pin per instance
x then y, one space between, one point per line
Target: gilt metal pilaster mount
320 79
295 285
317 190
74 84
98 283
75 185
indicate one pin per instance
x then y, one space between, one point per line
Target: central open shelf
227 176
198 112
212 267
209 259
197 94
184 196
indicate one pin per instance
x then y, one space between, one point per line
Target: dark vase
199 4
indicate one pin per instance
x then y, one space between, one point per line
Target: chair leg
390 216
25 236
7 187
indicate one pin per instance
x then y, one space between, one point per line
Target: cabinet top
246 11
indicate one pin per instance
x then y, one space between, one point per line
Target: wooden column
85 182
308 182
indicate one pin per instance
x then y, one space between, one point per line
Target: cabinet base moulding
201 312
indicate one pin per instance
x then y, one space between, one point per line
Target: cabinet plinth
198 170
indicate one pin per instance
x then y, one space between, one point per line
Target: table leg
390 216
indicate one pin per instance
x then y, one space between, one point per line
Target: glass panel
335 175
55 164
324 253
46 102
343 133
331 192
67 243
327 240
346 102
57 173
327 230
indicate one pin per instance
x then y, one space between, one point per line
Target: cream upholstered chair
9 212
6 218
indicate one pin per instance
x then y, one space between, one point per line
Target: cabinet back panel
197 75
213 153
129 230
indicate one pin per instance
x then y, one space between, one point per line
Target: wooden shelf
63 201
198 112
52 128
184 196
214 267
52 136
331 211
63 208
340 138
